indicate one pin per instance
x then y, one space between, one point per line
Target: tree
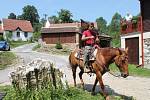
102 25
43 21
115 23
65 16
37 27
8 36
53 19
114 29
12 16
30 13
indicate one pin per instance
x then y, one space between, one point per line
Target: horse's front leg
93 89
80 76
99 78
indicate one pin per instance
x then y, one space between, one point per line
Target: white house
20 29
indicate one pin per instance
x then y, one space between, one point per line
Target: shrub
58 46
36 36
124 26
134 24
1 38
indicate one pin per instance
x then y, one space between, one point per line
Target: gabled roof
1 30
12 25
59 30
62 27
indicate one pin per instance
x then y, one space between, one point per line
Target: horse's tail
70 60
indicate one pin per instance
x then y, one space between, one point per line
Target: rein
113 74
110 72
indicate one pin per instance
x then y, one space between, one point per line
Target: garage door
133 49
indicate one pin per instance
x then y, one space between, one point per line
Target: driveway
137 87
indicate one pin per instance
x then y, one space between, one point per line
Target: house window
25 34
18 34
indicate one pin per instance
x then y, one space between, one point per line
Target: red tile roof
1 31
12 25
59 30
63 27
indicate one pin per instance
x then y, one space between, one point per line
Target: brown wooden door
133 49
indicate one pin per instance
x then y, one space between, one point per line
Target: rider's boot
87 68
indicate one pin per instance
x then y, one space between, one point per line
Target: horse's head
121 61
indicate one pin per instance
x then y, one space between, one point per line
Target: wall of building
53 38
123 37
146 37
22 37
145 9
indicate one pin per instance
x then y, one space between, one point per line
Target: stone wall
147 52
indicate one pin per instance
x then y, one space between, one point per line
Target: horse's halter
121 61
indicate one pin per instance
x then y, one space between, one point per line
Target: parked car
4 45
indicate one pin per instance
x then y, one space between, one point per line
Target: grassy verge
58 94
141 72
14 44
36 47
53 50
6 58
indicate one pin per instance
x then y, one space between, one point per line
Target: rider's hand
92 37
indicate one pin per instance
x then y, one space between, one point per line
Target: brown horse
104 57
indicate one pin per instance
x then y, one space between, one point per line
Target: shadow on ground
109 90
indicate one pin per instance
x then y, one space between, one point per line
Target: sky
88 10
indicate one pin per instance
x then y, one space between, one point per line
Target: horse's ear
126 50
120 52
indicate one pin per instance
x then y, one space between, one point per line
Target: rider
89 40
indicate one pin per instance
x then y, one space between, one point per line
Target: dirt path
137 87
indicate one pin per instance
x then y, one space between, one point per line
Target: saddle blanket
92 56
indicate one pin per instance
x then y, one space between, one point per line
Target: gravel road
137 87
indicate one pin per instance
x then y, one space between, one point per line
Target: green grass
14 44
36 47
6 58
57 94
5 88
133 71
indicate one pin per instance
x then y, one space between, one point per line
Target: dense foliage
102 25
12 16
30 13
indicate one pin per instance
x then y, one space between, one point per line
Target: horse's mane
110 50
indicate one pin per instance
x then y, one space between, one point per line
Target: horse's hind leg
80 76
93 89
74 68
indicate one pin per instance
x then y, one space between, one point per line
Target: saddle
92 54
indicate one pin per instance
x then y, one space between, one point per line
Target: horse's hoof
93 93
